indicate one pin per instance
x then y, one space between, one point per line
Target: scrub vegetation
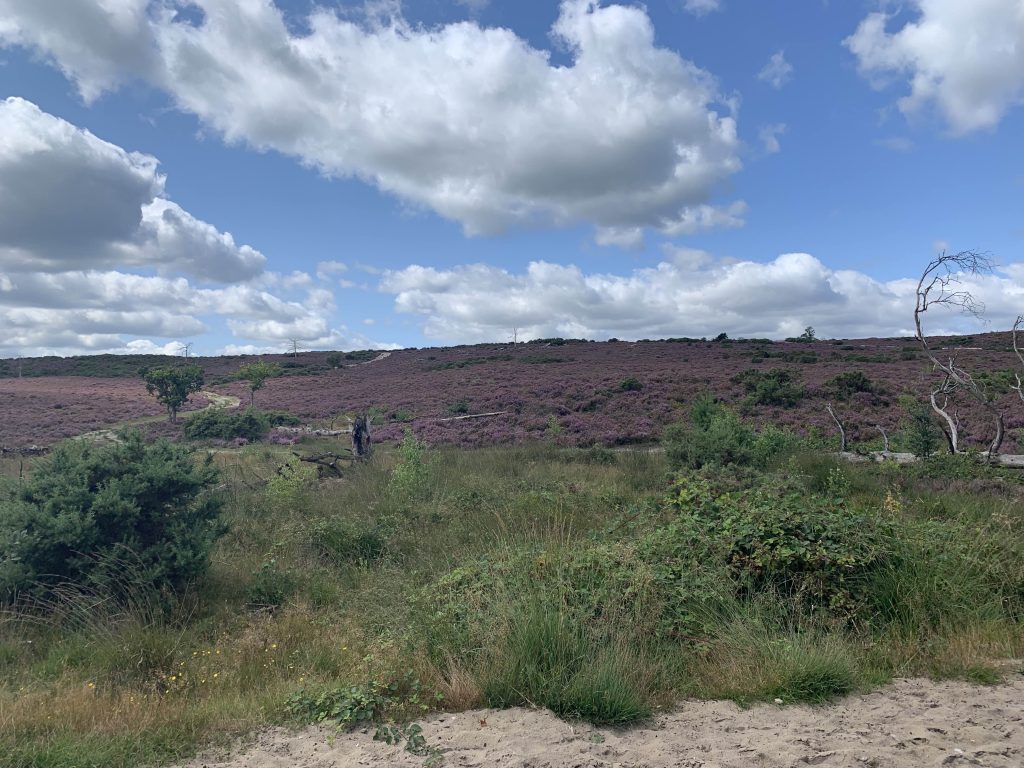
741 562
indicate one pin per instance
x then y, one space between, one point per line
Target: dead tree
1020 356
937 287
362 445
842 432
885 437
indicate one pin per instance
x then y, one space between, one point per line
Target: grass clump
548 660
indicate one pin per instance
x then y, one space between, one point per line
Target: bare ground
904 725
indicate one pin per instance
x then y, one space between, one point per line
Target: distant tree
809 334
257 374
335 359
172 386
294 345
723 336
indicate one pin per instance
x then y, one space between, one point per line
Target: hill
567 391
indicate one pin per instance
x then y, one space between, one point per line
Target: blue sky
453 185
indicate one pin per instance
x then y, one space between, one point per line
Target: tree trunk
952 433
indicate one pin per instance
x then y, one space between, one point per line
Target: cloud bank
471 122
690 294
92 253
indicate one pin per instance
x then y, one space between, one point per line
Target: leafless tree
294 345
885 437
185 349
515 336
1020 356
842 432
938 287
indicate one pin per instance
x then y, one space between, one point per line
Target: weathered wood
362 444
473 416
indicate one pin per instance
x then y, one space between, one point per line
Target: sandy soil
908 724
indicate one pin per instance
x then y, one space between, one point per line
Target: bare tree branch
938 287
842 432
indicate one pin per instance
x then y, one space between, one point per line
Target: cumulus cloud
965 59
777 72
71 200
691 294
80 218
473 123
701 7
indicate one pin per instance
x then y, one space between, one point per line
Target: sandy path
908 724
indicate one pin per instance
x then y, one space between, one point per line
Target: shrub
222 424
410 476
848 383
631 384
813 547
922 435
458 408
775 387
86 512
716 436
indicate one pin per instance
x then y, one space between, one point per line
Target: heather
568 392
601 584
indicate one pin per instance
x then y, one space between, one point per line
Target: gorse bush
222 424
88 512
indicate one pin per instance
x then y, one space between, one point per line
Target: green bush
844 385
222 424
775 387
347 541
813 547
920 433
631 384
87 513
716 436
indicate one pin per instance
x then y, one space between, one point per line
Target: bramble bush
87 513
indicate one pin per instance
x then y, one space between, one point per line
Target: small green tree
922 434
257 374
96 516
173 385
809 334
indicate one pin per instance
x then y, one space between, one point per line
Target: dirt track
905 725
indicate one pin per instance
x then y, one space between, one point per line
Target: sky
239 175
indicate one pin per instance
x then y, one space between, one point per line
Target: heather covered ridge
574 393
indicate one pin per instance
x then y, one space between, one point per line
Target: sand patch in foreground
908 724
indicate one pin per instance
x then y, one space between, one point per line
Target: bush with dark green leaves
844 385
90 514
778 538
222 424
775 387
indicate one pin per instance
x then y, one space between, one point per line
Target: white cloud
701 7
80 217
965 59
777 72
769 136
471 122
691 295
71 200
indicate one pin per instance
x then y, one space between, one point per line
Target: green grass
515 575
